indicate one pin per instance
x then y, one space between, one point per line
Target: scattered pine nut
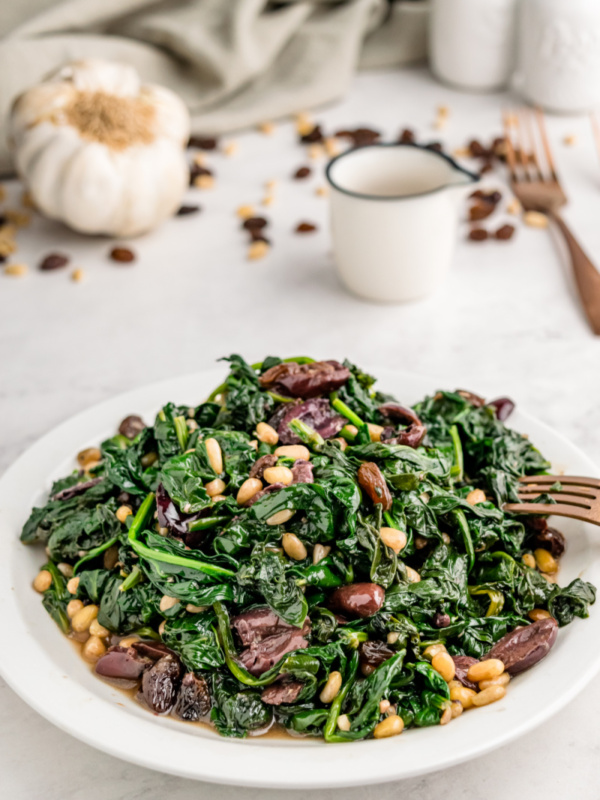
267 128
15 270
535 219
268 200
245 212
439 123
570 140
77 275
271 185
316 151
461 152
332 146
304 126
200 160
230 149
443 111
258 249
514 207
204 182
322 191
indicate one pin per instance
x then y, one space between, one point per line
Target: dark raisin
54 261
440 620
407 136
203 142
313 136
122 254
254 223
131 426
478 235
505 232
305 227
480 210
196 170
476 149
372 481
183 211
486 167
302 172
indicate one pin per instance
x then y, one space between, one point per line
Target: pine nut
351 430
476 496
65 569
123 512
443 663
384 706
85 457
538 613
535 219
420 542
281 517
342 443
293 546
446 716
501 680
98 630
412 575
129 640
293 451
83 618
343 722
43 581
73 585
320 551
167 602
332 687
73 606
545 561
462 695
93 649
247 490
390 726
485 670
433 649
528 560
215 456
278 475
392 538
375 432
192 609
266 433
216 487
253 444
218 497
457 709
445 538
392 637
490 695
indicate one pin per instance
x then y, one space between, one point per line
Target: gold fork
535 183
577 497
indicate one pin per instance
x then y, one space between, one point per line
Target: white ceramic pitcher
394 218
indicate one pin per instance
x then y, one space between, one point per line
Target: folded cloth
234 62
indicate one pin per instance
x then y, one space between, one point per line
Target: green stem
167 558
345 411
307 434
457 470
182 431
134 577
330 732
58 581
496 599
205 523
458 515
95 552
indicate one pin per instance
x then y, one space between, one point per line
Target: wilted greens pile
235 621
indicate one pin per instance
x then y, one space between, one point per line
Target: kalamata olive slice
503 407
161 683
258 623
440 620
317 413
524 647
372 654
131 426
151 649
374 484
261 656
122 663
461 665
358 599
549 538
260 465
282 692
193 700
302 471
78 488
305 380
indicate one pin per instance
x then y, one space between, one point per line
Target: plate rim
252 767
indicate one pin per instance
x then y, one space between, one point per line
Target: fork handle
586 275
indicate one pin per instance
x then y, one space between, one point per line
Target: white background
506 322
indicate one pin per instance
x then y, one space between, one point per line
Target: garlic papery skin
99 150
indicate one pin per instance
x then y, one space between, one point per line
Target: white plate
42 667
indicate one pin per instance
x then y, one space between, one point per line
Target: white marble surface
506 322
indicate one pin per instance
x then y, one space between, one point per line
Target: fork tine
510 152
569 499
551 508
564 479
545 142
536 168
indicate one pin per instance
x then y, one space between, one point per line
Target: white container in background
559 54
472 42
394 217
